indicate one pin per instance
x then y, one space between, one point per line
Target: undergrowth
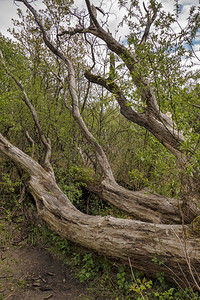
103 277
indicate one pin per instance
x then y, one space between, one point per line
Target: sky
8 10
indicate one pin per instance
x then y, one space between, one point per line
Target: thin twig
135 278
187 258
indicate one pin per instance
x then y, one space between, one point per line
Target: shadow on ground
33 274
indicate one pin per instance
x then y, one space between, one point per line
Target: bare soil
32 273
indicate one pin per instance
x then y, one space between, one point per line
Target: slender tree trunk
121 239
152 208
127 240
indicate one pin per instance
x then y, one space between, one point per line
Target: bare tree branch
93 14
46 142
86 97
125 105
31 142
150 21
74 31
102 159
150 120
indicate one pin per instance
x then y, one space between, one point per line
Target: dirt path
33 274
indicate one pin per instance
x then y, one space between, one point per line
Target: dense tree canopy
83 111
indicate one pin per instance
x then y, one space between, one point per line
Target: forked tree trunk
146 205
120 239
127 240
143 205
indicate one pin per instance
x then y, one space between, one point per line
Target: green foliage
157 261
158 173
187 293
89 269
64 246
161 279
73 182
122 282
138 180
21 283
12 107
9 187
140 286
33 235
138 159
165 295
43 235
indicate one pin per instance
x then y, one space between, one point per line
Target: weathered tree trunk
153 208
116 238
122 239
144 204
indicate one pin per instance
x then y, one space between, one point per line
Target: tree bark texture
120 239
161 210
145 205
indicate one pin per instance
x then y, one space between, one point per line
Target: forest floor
32 273
36 264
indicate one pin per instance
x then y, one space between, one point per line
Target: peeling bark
143 205
126 240
116 238
152 208
161 210
159 124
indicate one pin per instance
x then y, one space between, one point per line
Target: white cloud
8 10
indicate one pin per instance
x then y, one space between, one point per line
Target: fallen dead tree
116 238
164 233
